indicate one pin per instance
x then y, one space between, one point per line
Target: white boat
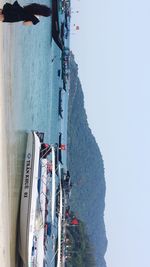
29 197
33 202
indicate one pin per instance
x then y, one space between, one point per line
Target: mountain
86 167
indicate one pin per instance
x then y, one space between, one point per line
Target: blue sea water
35 61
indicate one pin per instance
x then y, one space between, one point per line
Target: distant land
79 248
86 167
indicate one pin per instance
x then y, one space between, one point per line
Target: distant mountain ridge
86 166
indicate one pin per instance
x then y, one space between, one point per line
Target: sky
112 49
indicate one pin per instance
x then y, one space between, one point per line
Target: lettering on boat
27 175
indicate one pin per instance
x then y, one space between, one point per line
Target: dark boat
56 158
59 72
64 86
56 31
60 109
59 152
62 30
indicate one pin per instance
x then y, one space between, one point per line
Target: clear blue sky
112 49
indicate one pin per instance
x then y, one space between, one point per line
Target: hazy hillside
87 171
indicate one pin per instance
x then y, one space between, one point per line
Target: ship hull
29 197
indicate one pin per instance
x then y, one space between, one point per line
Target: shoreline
10 170
4 192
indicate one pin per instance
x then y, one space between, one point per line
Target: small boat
61 147
60 109
29 197
34 201
56 31
59 72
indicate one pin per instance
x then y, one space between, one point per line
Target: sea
32 84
